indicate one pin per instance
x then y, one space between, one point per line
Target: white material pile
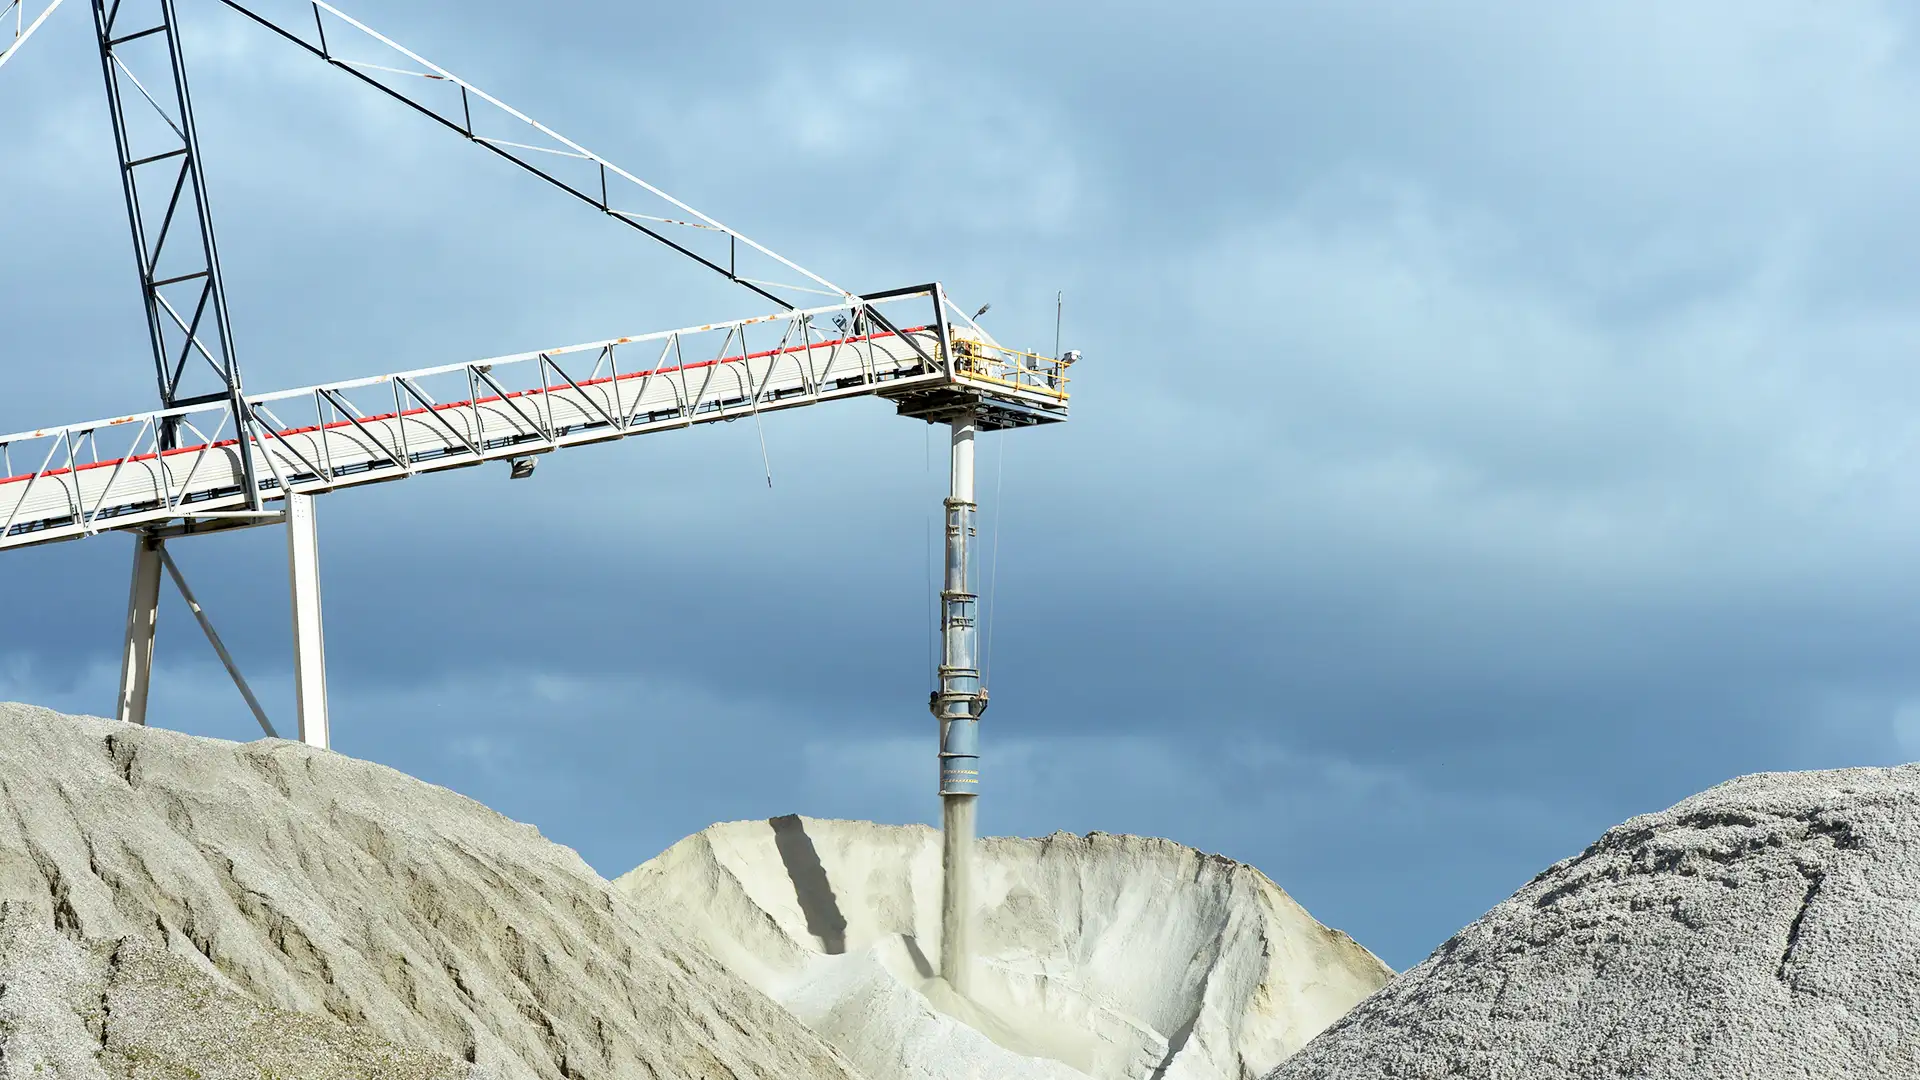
1768 927
1113 957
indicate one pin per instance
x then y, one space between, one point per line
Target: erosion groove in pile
173 906
1768 927
1116 957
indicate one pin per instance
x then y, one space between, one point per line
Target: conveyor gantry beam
67 482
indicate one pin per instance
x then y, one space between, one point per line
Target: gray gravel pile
1768 927
175 907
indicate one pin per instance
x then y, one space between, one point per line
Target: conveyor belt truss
81 479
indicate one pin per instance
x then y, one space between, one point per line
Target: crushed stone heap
1768 927
176 907
1113 957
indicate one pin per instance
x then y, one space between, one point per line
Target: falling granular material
1768 927
1115 957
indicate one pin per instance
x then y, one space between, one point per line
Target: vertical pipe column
143 613
309 644
957 705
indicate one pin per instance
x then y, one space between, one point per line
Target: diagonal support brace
213 638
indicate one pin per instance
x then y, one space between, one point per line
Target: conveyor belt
115 474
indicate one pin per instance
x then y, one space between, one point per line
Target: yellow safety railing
1015 369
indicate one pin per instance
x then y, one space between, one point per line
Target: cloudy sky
1497 420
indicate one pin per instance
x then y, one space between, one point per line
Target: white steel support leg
957 705
309 645
143 612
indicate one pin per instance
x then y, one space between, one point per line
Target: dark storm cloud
1495 420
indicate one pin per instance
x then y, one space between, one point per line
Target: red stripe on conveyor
473 404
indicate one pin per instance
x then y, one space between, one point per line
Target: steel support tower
190 333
